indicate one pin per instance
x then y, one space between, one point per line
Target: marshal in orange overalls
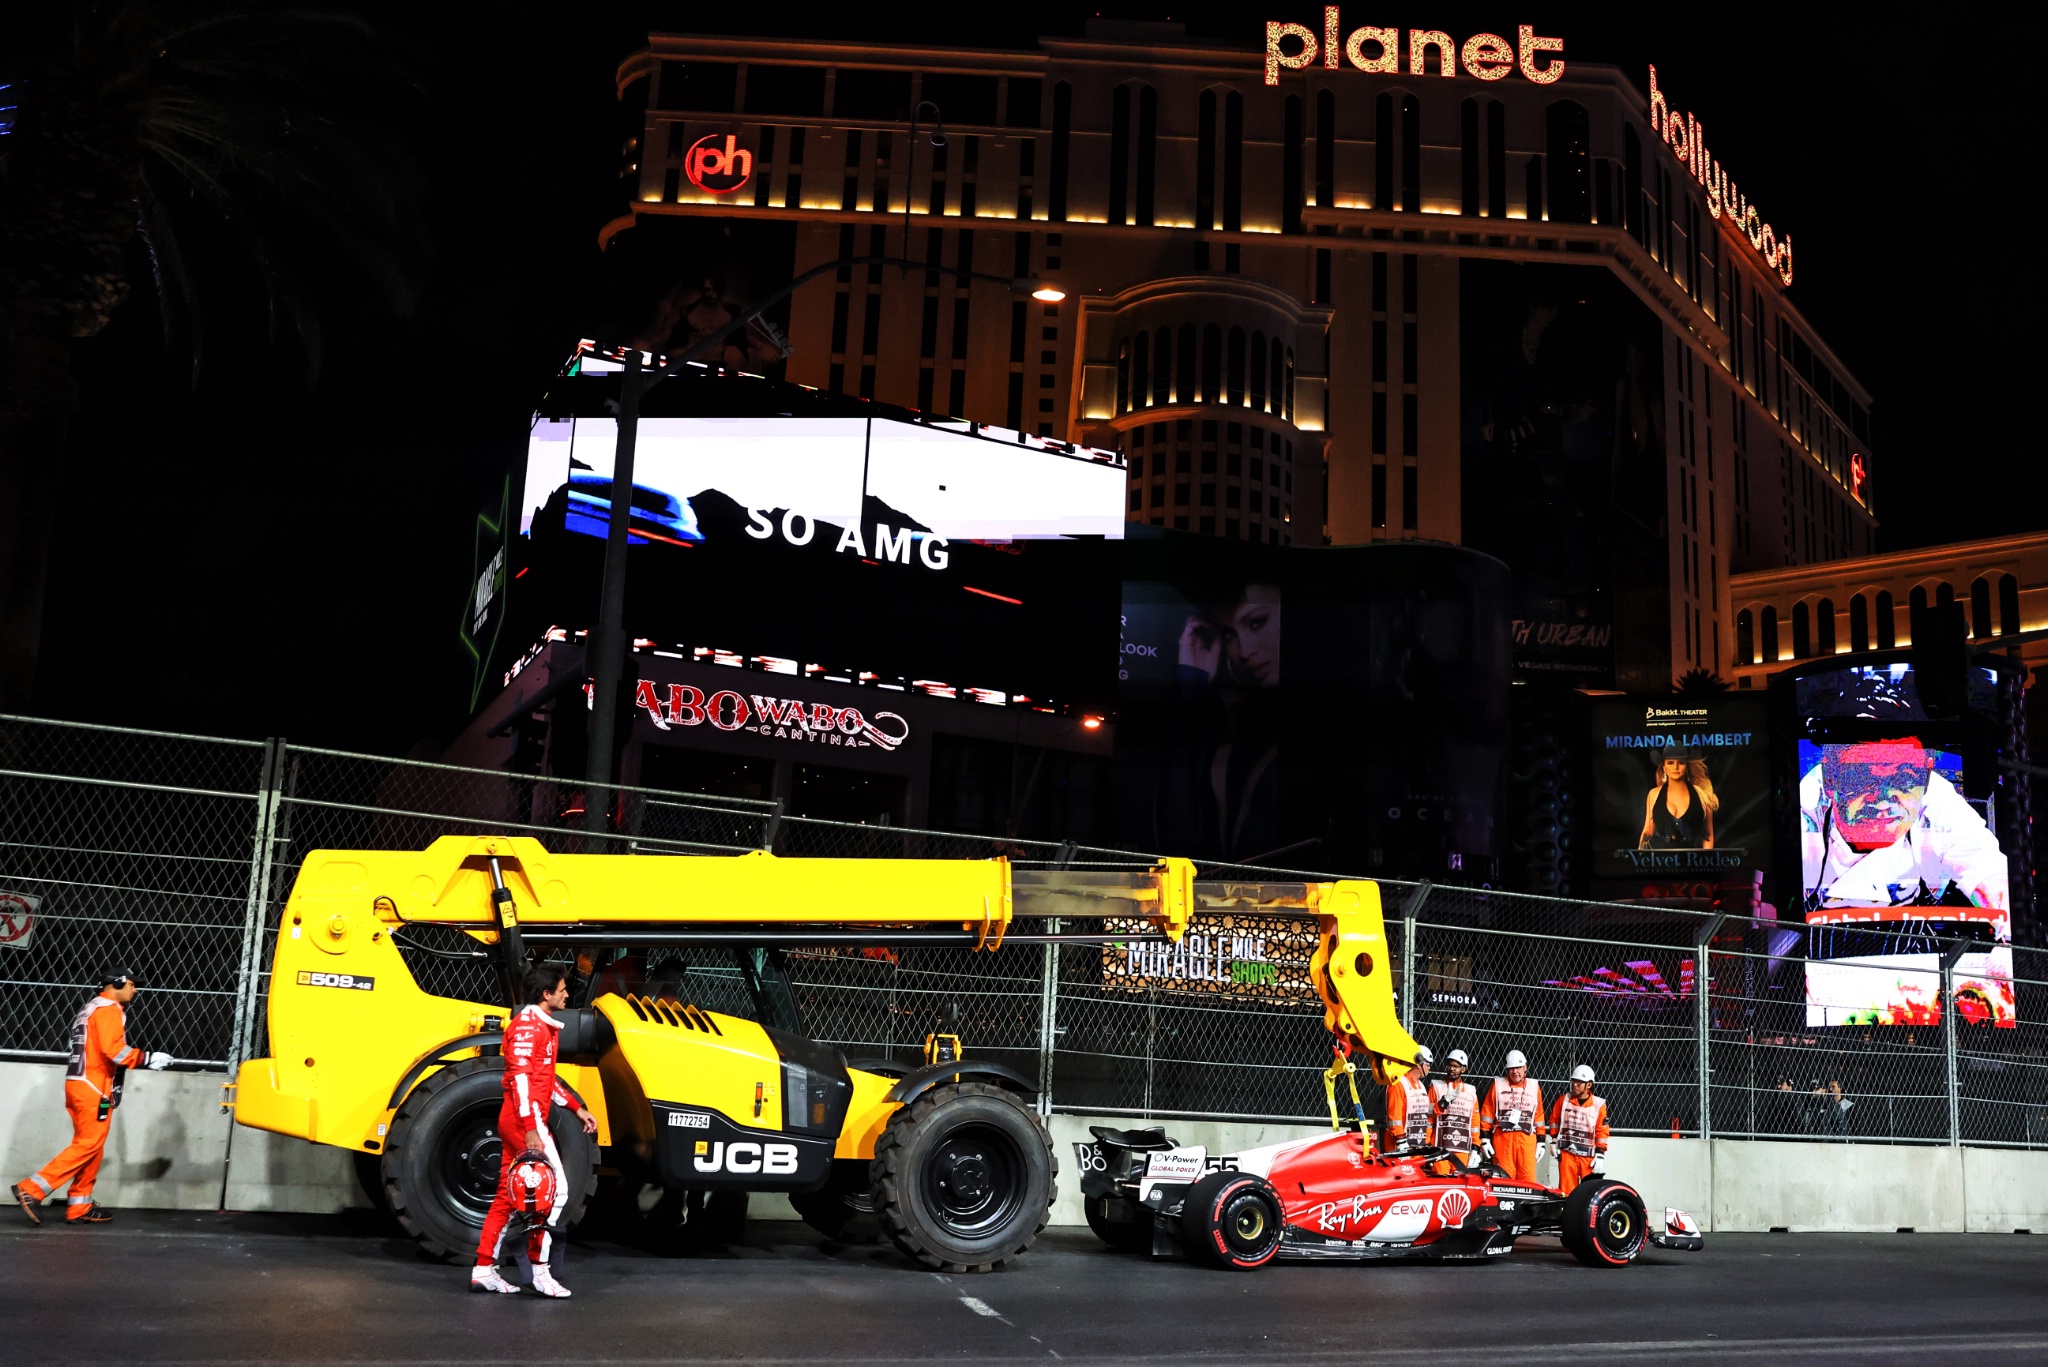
1511 1115
1581 1130
100 1055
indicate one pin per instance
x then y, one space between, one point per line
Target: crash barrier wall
171 1148
173 854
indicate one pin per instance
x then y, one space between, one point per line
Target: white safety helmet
1582 1073
1423 1057
1459 1056
1516 1059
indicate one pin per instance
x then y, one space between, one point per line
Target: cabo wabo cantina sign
1490 57
813 723
1265 958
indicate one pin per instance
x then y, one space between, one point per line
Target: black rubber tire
1120 1222
370 1177
964 1177
1231 1220
1605 1223
441 1158
845 1209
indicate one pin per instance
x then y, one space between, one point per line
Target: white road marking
981 1307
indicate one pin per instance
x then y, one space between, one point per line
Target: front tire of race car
1605 1224
1231 1220
1120 1222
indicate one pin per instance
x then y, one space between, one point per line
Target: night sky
259 557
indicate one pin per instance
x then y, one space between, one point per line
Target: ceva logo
718 169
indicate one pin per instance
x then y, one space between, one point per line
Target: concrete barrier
171 1147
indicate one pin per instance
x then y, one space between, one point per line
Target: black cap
114 977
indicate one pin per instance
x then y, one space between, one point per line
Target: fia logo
773 1160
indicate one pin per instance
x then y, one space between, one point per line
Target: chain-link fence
172 855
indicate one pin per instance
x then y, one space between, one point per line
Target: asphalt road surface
162 1287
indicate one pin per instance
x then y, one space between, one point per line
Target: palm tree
137 136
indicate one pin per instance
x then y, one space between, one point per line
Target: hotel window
1824 622
1205 161
1162 367
1887 621
1235 361
1768 636
795 90
1568 150
1062 135
1383 152
1379 494
1233 162
1802 632
1496 159
1291 191
1745 637
1148 151
1411 154
1190 361
1119 154
2008 605
793 183
1410 495
1468 158
1980 607
1859 623
1632 183
707 87
1258 359
1326 152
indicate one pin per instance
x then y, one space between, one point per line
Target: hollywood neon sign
1487 56
716 169
1687 140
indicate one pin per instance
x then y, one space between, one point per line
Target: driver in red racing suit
531 1091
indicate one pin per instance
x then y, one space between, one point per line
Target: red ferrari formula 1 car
1330 1198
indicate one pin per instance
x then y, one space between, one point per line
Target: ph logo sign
718 167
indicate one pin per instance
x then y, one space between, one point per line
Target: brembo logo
773 1160
718 169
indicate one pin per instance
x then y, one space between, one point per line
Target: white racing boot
545 1283
487 1279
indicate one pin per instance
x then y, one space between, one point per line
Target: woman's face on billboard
1254 636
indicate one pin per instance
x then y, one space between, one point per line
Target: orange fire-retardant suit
1409 1115
100 1055
1512 1117
1581 1131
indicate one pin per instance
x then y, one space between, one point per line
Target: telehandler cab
706 1105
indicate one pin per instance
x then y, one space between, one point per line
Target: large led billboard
1342 709
1681 787
851 545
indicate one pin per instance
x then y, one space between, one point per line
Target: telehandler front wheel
843 1209
442 1157
964 1178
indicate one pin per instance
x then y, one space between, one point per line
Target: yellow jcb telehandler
699 1106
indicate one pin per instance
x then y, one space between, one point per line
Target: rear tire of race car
1231 1220
1120 1222
441 1158
1605 1223
964 1178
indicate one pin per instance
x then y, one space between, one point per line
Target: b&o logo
718 168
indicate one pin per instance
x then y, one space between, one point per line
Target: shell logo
1453 1208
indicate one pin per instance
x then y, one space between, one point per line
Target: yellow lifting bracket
1342 1066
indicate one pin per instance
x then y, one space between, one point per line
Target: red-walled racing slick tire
1604 1224
1231 1220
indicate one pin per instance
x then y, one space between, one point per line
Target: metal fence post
1949 958
1703 1016
263 842
1408 911
1048 1023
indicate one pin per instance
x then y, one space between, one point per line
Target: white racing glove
1599 1163
156 1061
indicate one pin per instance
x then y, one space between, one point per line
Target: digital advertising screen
1905 989
1681 787
843 545
1886 823
1332 708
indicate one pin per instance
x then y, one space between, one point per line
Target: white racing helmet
1516 1059
1582 1073
1459 1056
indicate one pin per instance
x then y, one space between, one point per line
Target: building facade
1354 285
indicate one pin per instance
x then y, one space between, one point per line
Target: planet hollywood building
1333 284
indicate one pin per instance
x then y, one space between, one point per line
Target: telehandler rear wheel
844 1208
964 1178
442 1156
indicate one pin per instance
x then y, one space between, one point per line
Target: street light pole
608 642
